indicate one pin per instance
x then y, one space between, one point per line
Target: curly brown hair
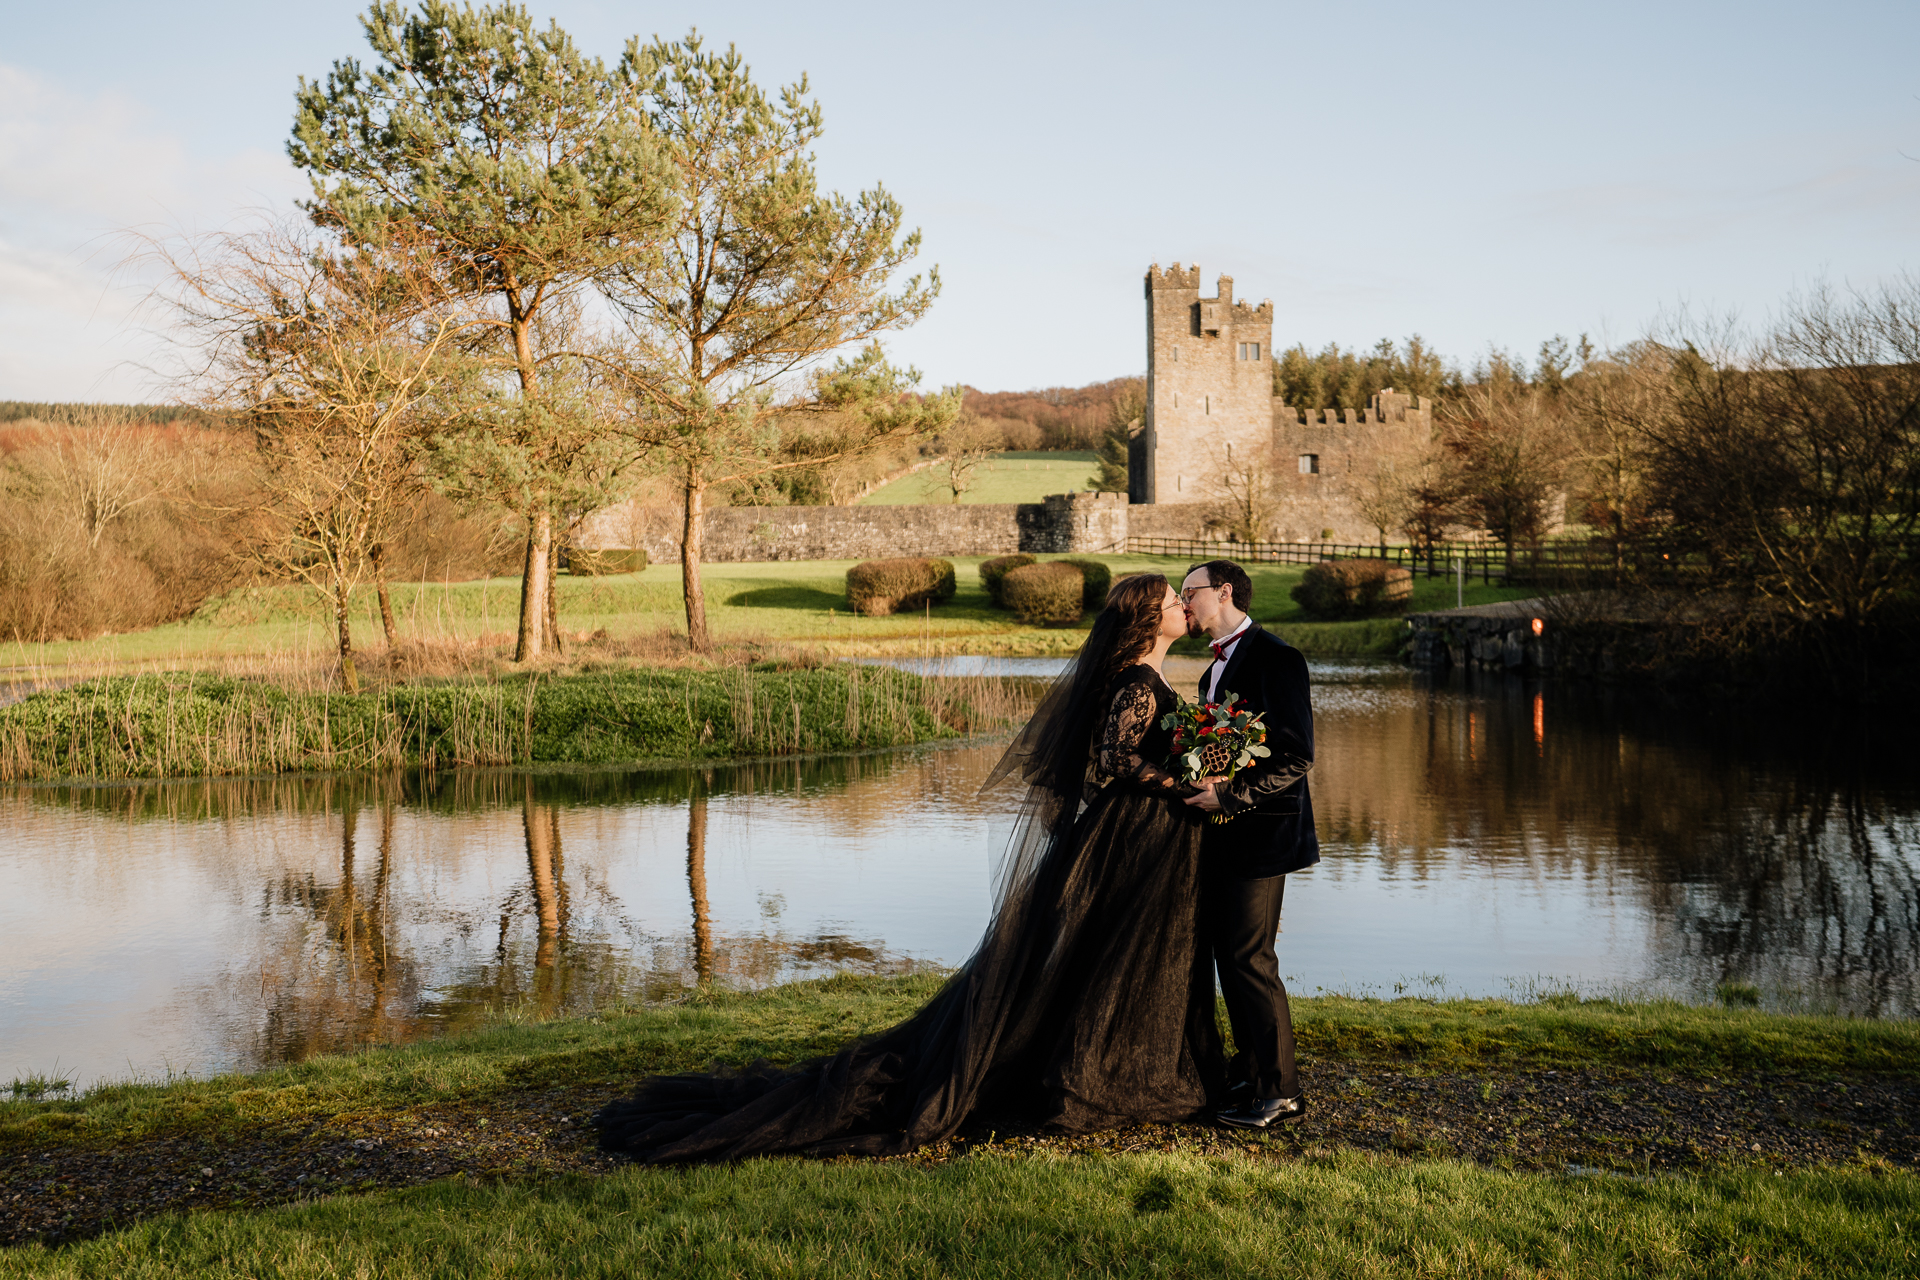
1126 628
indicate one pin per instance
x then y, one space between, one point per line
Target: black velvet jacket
1271 831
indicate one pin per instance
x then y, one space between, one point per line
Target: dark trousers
1240 918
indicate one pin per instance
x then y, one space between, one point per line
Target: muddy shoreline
1602 1121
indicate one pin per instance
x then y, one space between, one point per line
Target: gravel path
1567 1121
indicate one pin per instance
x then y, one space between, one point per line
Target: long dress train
1089 1001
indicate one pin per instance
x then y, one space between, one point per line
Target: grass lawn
1165 1214
1200 1203
796 603
1005 477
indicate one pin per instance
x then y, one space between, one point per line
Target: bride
1089 1002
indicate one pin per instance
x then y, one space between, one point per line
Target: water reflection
1476 832
1495 829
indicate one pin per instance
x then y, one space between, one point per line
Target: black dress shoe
1264 1113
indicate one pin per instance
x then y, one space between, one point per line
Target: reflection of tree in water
697 889
1763 850
340 983
763 958
359 952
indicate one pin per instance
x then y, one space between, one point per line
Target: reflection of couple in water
1089 1002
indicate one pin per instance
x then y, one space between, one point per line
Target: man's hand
1206 799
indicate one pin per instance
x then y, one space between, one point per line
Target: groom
1245 861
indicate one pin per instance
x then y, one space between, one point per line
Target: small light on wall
1539 625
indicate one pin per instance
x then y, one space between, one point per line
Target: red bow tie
1219 648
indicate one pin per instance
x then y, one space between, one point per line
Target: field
469 625
471 1156
1005 477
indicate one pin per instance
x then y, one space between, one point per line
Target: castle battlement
1174 277
1213 422
1209 386
1389 407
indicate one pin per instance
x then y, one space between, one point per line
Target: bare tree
964 446
107 462
1509 451
338 359
1792 462
1613 402
1384 495
1243 496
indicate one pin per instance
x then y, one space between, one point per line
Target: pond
1481 837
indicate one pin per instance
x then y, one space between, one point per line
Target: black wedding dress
1088 1003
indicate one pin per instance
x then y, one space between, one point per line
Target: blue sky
1478 174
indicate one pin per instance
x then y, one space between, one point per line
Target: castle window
1248 351
1255 348
1176 355
1309 464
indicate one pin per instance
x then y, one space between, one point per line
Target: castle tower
1209 388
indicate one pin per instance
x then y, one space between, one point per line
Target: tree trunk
374 553
533 589
541 829
533 576
697 889
348 677
690 531
554 637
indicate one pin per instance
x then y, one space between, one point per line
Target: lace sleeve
1117 755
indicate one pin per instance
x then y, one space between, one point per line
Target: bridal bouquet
1215 739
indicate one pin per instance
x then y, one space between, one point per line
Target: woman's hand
1206 799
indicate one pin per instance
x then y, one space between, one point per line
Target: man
1269 833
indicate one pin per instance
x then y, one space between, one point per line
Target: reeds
190 724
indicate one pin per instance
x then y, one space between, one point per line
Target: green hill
1005 477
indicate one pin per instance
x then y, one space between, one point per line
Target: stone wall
1499 636
1069 522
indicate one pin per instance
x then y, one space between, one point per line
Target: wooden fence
1550 564
1485 562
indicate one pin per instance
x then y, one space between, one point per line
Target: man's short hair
1225 573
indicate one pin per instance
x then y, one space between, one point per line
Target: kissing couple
1089 1001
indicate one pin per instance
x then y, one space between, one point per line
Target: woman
1089 1001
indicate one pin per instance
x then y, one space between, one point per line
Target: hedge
877 588
1099 581
1045 592
994 572
1353 588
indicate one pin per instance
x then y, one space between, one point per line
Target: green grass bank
184 724
1010 476
458 627
1240 1205
798 1020
1164 1214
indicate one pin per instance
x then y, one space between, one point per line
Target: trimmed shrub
605 560
1045 592
877 588
994 572
1099 580
1353 588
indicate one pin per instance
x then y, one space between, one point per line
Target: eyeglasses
1187 596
